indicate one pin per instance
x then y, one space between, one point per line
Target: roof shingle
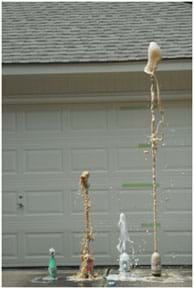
66 32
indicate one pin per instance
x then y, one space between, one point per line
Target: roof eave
95 67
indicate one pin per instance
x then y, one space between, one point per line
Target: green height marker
138 186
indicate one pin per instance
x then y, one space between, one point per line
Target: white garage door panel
43 202
10 246
135 205
132 116
180 136
181 110
9 200
91 158
42 161
9 161
35 246
9 122
176 157
178 248
46 147
85 119
178 252
49 121
131 159
177 199
43 240
176 179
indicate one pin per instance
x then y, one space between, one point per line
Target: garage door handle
20 205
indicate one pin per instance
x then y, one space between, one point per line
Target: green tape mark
138 185
144 145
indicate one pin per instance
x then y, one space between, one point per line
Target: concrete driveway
171 277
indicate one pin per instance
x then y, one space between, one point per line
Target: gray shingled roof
63 32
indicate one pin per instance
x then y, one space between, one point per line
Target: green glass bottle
52 266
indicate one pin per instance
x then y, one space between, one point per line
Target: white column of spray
124 260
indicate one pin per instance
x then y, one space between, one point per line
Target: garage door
45 149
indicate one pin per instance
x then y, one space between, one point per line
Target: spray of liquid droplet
125 261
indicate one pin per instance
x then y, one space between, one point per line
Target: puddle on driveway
67 281
144 276
138 278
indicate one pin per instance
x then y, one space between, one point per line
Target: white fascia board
38 69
